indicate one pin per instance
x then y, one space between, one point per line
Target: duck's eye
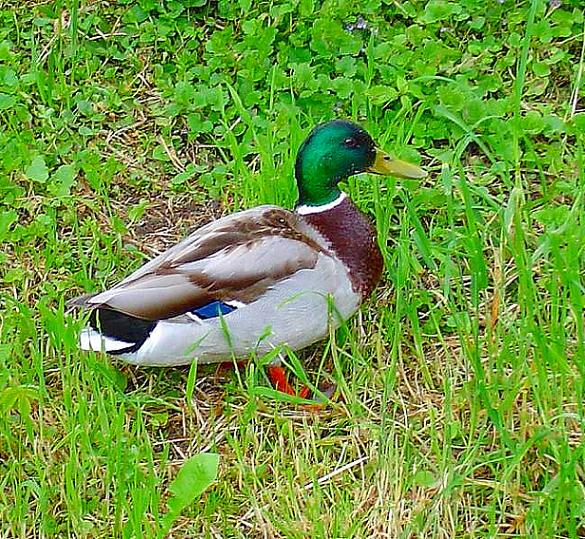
351 143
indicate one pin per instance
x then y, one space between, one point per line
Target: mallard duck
257 279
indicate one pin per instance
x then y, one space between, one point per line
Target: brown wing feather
235 258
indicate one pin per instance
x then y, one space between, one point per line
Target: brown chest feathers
353 239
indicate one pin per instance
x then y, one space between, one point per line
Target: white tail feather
90 339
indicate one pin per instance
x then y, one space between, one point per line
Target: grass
124 125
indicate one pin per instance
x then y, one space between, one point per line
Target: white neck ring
306 209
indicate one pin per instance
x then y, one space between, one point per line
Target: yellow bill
385 165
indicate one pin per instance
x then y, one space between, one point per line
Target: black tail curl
121 327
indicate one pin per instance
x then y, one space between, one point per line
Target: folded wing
234 259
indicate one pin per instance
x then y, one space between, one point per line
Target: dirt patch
166 221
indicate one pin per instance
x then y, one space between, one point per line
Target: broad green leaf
6 220
6 101
62 180
194 477
578 122
37 170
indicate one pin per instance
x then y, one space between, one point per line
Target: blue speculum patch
213 310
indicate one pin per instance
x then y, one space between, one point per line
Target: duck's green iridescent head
333 152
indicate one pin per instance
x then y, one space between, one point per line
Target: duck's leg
277 374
